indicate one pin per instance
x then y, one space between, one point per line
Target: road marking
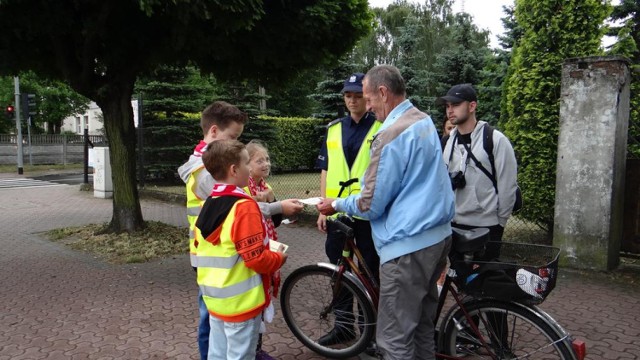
25 183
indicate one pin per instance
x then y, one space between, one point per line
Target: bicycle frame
366 278
362 276
446 289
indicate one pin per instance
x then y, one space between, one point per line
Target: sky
486 14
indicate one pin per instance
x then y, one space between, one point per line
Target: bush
296 144
168 143
293 143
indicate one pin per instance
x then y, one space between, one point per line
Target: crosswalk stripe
25 183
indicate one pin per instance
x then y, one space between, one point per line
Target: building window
78 125
86 123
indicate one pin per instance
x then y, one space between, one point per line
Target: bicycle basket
524 272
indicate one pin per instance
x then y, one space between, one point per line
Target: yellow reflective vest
231 291
194 204
338 170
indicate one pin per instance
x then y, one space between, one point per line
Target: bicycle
478 324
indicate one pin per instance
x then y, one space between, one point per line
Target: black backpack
487 144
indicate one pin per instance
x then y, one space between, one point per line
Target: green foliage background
552 31
296 144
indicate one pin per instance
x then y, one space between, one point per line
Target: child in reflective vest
235 273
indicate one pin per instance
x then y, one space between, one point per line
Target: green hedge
296 142
552 31
293 143
168 143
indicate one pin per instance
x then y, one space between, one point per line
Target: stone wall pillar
592 142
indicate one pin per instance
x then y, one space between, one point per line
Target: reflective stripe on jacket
194 204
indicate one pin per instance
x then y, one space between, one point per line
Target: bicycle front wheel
309 308
511 331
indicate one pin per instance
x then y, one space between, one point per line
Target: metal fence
50 139
46 148
307 184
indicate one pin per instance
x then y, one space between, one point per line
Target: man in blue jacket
406 195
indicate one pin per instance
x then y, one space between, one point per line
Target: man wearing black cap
343 159
485 190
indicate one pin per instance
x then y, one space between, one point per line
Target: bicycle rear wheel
306 300
512 331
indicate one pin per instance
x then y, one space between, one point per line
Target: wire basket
523 272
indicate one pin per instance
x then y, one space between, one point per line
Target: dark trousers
334 246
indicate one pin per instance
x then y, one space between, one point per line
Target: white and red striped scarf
254 188
200 148
232 190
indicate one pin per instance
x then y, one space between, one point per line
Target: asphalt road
69 179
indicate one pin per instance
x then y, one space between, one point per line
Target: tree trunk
121 135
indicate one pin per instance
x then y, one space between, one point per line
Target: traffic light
28 105
9 112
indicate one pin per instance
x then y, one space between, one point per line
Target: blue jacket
406 191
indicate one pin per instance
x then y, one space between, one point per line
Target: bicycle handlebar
342 227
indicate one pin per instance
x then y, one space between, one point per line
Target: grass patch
29 169
285 186
155 241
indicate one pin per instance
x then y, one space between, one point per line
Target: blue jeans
203 328
234 340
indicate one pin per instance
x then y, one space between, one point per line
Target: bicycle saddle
472 240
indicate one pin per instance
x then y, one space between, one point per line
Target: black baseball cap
353 83
457 94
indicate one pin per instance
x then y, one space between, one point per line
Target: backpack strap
480 167
487 144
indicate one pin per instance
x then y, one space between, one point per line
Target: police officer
343 159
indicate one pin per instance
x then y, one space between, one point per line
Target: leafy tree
382 45
553 30
327 92
246 95
172 99
292 99
494 76
627 13
100 48
463 60
413 37
511 36
411 60
54 102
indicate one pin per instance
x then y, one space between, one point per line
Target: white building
92 120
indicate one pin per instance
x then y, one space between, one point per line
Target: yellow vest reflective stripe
229 288
194 204
338 169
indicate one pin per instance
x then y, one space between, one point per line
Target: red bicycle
491 313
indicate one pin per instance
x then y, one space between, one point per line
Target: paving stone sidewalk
56 303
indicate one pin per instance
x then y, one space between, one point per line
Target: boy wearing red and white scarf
236 285
219 121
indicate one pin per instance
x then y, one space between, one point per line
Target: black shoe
372 349
337 336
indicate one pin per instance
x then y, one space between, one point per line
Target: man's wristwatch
334 204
